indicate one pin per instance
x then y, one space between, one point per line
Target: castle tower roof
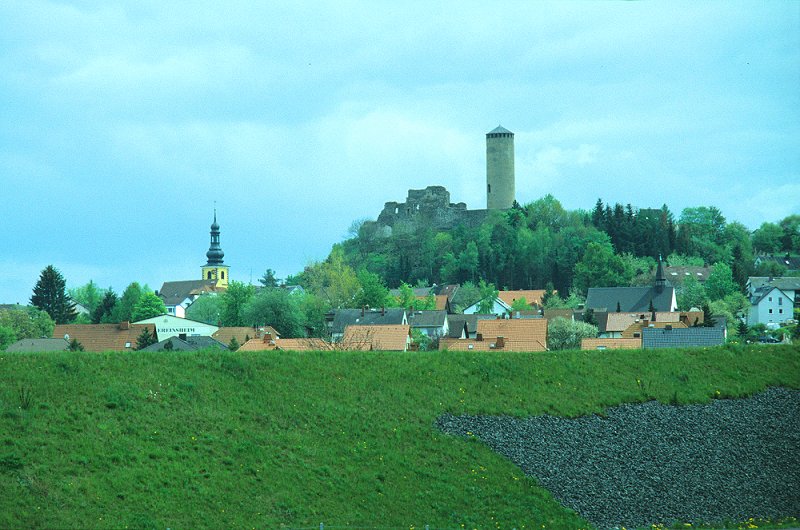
500 130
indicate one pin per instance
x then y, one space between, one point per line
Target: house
377 337
172 326
505 300
792 263
520 335
788 284
660 297
178 296
468 322
770 305
434 324
104 337
614 325
242 333
338 319
634 331
611 344
669 337
186 344
38 345
294 289
502 335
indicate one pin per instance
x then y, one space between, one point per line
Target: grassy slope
227 440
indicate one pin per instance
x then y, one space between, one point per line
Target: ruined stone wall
429 207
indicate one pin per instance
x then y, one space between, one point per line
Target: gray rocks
651 463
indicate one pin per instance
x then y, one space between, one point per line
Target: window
208 277
222 275
780 311
780 300
127 344
770 299
770 310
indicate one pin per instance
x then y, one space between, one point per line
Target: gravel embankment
651 463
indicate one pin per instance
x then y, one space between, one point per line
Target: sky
124 124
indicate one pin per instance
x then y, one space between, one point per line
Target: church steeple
661 277
215 268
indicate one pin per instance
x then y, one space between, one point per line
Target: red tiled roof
532 297
104 337
378 337
519 333
611 344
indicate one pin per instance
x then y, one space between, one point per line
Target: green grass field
264 440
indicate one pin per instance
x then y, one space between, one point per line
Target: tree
27 322
708 317
520 304
123 309
104 312
768 238
465 296
373 292
269 279
691 294
488 293
564 334
720 282
145 339
790 242
333 280
7 337
89 295
149 305
206 308
233 345
276 308
50 295
406 297
600 267
233 302
75 345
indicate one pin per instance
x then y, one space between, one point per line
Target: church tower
499 169
215 269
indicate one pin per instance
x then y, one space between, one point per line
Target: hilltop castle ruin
432 207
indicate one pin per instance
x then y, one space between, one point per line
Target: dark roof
763 291
471 321
173 293
187 344
682 337
631 299
677 275
784 283
418 291
427 319
456 325
38 345
448 290
347 317
790 262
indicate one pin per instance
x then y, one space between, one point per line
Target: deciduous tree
149 305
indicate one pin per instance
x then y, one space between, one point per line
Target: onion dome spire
215 254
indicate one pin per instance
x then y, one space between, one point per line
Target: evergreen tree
105 309
233 345
742 329
50 295
75 345
269 279
708 319
145 339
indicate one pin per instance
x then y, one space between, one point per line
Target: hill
346 438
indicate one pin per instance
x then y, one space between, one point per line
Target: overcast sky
122 122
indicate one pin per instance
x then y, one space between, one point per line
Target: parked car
768 340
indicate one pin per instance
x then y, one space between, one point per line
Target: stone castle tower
215 268
500 191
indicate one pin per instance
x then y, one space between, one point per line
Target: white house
171 326
770 305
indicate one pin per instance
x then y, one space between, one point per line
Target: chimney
125 324
668 327
362 310
383 311
500 343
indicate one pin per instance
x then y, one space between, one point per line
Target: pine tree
74 345
50 295
145 339
233 345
